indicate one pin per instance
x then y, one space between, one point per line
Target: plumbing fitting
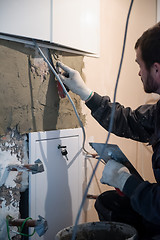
37 167
40 225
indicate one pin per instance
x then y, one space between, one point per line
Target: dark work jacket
143 125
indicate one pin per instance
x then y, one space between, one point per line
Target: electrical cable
7 223
53 69
64 89
110 126
81 124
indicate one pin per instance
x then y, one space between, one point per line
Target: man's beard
150 85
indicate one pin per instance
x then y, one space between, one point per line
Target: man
141 205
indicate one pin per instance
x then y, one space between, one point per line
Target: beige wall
101 75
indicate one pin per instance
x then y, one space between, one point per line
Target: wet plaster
28 93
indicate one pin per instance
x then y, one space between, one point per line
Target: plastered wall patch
12 210
13 152
7 177
28 94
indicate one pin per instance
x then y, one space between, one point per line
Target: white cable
64 89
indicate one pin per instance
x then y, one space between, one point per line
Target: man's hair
149 44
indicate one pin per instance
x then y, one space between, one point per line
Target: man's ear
156 68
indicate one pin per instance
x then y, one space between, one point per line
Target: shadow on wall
55 202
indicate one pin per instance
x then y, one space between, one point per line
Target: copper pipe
89 196
19 222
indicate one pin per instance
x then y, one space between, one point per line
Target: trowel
112 151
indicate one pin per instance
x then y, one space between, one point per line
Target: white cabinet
56 193
76 24
70 23
29 18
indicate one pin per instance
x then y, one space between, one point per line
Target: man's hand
72 79
115 174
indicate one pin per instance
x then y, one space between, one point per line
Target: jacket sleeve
144 197
134 124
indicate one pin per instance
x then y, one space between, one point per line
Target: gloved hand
72 79
115 174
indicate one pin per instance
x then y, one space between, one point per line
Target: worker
140 205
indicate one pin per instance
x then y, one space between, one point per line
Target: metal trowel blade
110 151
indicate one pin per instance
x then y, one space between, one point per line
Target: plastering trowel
112 151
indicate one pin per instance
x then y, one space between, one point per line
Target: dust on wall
28 93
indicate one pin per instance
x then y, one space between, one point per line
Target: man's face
147 77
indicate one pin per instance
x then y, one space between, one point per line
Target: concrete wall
28 94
